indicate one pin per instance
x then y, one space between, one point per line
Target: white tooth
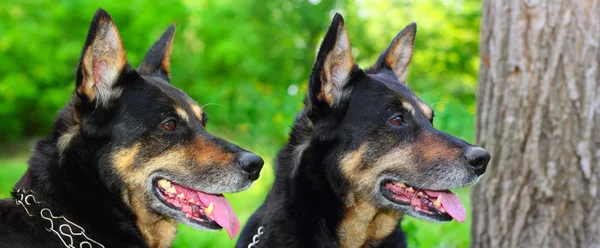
181 196
438 202
164 183
192 201
410 189
208 210
443 210
420 193
172 190
401 184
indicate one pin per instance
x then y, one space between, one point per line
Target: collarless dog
128 157
362 154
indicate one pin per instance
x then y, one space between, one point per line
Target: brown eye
397 121
169 125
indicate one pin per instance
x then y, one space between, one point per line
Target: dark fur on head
359 128
122 129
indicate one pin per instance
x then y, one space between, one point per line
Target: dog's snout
251 164
477 158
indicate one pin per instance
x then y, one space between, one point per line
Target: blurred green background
249 62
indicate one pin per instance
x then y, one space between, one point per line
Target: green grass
420 233
11 170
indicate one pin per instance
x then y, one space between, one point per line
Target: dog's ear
332 69
102 61
157 59
398 55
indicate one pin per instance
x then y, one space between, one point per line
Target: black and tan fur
345 143
112 140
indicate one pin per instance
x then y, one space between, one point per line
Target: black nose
477 158
251 164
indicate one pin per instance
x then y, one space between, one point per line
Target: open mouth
212 211
436 204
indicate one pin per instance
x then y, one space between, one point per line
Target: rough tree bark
539 116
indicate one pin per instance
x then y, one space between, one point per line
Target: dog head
377 136
150 137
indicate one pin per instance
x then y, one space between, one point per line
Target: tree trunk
539 116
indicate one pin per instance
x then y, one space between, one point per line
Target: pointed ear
102 61
398 55
332 69
157 59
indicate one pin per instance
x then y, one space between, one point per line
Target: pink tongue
451 203
223 213
453 207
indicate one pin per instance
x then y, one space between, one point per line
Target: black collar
71 234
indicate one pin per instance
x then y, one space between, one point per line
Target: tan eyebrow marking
181 112
408 106
427 111
197 110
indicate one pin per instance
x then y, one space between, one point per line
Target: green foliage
240 59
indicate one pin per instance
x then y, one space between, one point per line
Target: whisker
211 104
433 104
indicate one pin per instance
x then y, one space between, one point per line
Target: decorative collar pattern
71 234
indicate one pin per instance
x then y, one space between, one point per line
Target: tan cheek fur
364 180
363 223
157 230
